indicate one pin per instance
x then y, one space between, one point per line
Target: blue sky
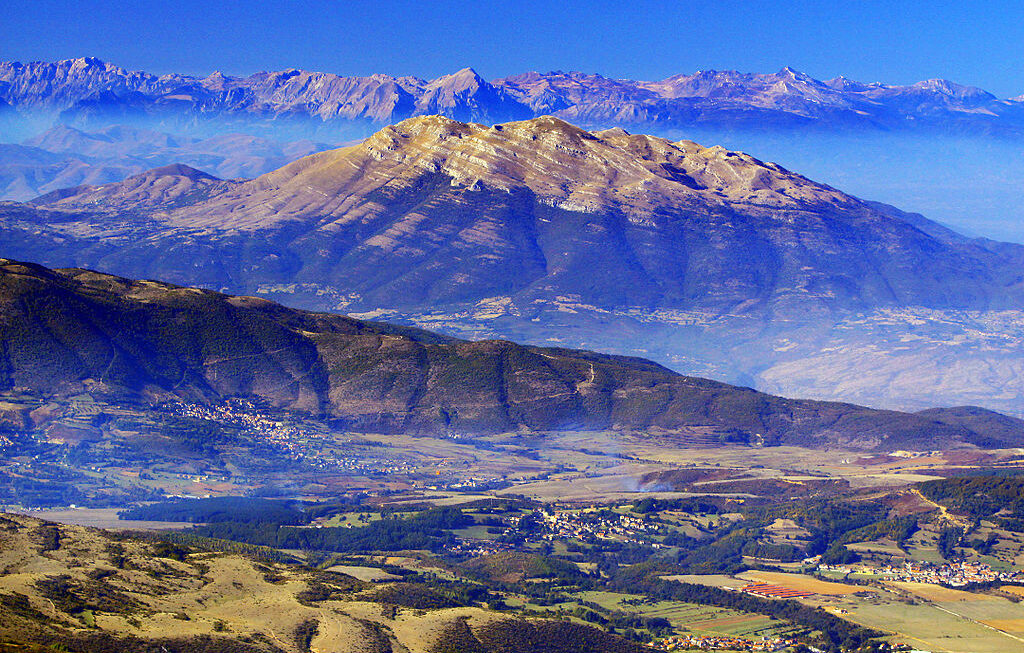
978 43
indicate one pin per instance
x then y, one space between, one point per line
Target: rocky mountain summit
434 212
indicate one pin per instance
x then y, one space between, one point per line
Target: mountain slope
70 331
434 212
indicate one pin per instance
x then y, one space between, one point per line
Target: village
952 574
243 414
583 525
721 642
307 446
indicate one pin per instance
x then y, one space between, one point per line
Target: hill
67 588
71 331
62 156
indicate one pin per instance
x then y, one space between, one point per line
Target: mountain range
710 261
73 331
948 150
90 92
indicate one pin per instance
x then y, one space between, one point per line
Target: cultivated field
938 593
368 574
935 627
928 617
803 583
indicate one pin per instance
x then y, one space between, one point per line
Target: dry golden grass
1008 625
937 593
208 593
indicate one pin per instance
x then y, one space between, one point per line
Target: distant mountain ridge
63 156
89 93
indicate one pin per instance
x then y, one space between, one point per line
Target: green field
478 532
353 519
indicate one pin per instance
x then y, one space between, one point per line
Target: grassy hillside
83 590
